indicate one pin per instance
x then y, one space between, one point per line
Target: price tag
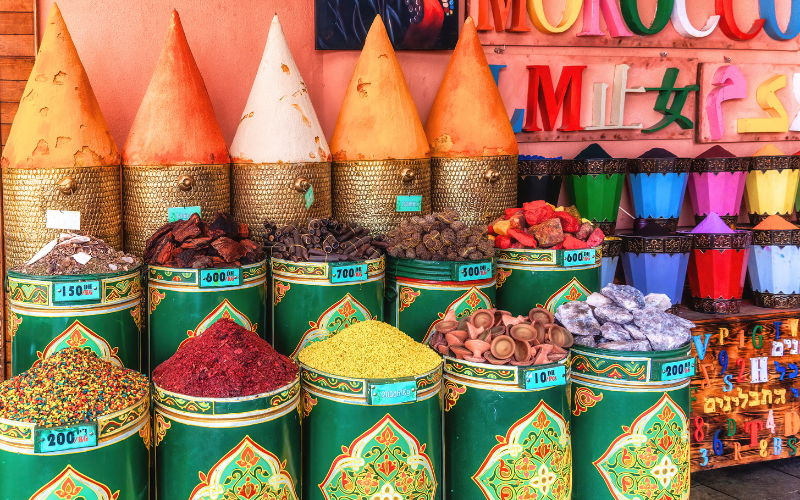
63 219
309 197
409 203
182 213
215 278
76 291
472 272
547 376
392 394
677 369
68 437
582 257
348 273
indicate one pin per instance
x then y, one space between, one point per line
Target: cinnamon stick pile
195 244
323 240
439 236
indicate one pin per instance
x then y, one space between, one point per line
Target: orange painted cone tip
768 150
378 119
59 122
468 117
775 222
175 124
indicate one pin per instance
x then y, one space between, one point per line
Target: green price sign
68 437
409 203
582 257
472 272
215 278
76 291
683 368
182 213
309 197
348 273
393 393
544 377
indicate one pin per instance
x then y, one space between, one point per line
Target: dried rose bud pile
540 225
192 243
439 236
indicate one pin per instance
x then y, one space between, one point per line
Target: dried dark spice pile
439 236
226 361
78 253
195 244
323 240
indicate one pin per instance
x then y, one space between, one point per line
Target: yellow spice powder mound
370 349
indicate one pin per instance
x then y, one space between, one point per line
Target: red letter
567 96
751 428
728 24
500 13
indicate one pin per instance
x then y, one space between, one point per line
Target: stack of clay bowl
497 337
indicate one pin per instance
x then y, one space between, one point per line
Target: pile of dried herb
193 243
77 253
323 240
441 237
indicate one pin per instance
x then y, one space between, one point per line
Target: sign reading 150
624 21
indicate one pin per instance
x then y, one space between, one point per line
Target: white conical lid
279 123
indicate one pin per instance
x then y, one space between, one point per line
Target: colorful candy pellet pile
72 385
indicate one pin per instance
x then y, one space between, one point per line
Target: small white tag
63 219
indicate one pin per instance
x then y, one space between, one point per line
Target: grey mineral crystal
636 345
613 331
599 300
577 317
658 300
613 314
624 296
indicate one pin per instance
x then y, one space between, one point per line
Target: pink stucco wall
119 42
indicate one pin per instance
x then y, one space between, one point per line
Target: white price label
63 219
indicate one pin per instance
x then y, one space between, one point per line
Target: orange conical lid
468 117
59 122
378 119
175 123
768 150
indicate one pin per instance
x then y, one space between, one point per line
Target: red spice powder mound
226 361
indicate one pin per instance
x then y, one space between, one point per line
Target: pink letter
730 84
591 19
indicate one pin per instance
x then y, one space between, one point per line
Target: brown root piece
229 249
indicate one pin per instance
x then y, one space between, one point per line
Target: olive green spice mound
370 349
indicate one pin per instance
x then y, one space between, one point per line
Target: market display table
744 395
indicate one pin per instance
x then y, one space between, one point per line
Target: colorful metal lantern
717 185
420 293
352 430
279 152
544 278
116 468
59 155
771 187
175 156
381 158
631 418
483 403
595 187
227 448
657 188
540 179
717 268
657 264
473 148
774 266
110 324
612 246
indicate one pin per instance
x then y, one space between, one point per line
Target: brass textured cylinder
367 191
480 188
28 193
276 192
150 190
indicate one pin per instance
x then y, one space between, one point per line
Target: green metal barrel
629 414
102 312
545 278
183 303
245 447
506 431
371 438
310 302
116 468
419 292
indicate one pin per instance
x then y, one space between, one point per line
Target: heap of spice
370 349
712 224
541 225
72 385
440 236
77 253
193 243
323 240
775 222
226 361
497 337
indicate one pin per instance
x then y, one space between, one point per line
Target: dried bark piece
229 249
187 229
